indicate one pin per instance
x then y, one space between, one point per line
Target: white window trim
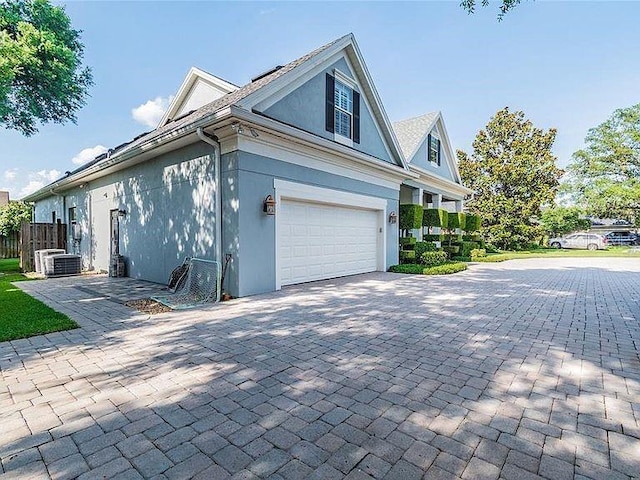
344 78
309 193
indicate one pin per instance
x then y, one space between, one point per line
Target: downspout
213 141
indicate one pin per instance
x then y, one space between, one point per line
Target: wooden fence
10 245
38 236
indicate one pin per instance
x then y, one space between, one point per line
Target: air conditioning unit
61 264
39 256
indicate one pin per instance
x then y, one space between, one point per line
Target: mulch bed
146 305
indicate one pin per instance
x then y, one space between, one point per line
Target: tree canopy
12 215
563 220
604 177
513 174
42 78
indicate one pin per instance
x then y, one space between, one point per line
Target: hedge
407 256
433 258
478 253
407 241
472 223
410 216
446 269
467 247
422 247
452 250
439 237
434 217
407 268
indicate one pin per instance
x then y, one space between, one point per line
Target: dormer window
342 109
433 148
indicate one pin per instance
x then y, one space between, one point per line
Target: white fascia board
273 92
378 101
429 178
149 149
187 84
292 134
424 137
453 162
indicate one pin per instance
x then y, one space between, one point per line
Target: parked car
621 222
622 237
590 241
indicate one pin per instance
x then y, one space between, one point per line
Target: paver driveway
516 370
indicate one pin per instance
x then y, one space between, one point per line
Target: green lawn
21 315
553 252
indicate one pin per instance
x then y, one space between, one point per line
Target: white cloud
31 187
88 154
47 175
10 174
151 112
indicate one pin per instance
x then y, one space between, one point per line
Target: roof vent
264 74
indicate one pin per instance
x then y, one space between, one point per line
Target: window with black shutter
342 115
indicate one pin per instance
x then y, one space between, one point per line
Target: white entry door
318 241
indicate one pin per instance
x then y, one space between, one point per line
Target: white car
590 241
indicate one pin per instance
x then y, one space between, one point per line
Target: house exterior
425 144
311 135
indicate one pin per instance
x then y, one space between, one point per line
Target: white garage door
318 241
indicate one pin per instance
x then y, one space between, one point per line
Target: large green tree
561 220
12 215
513 174
42 78
604 177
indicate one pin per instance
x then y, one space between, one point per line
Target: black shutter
429 148
356 117
330 107
439 142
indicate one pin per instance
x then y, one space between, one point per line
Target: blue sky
567 65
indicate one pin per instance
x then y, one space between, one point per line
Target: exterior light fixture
122 213
393 217
269 206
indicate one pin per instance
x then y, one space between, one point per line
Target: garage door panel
317 241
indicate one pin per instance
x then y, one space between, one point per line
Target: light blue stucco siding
304 108
253 240
443 170
170 213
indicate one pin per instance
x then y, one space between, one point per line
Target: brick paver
525 369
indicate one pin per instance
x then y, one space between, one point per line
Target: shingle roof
410 132
229 99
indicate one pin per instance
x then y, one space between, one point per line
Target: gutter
213 141
128 154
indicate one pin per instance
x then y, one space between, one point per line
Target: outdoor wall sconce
393 218
122 213
269 206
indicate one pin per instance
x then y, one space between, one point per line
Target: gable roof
235 97
194 76
413 131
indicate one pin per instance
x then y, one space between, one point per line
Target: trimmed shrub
472 223
453 221
407 268
445 269
407 256
433 258
467 247
434 217
478 253
407 241
491 249
422 247
452 250
410 216
501 257
433 237
462 219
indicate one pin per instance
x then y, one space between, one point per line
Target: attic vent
264 74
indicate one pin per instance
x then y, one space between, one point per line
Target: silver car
590 241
